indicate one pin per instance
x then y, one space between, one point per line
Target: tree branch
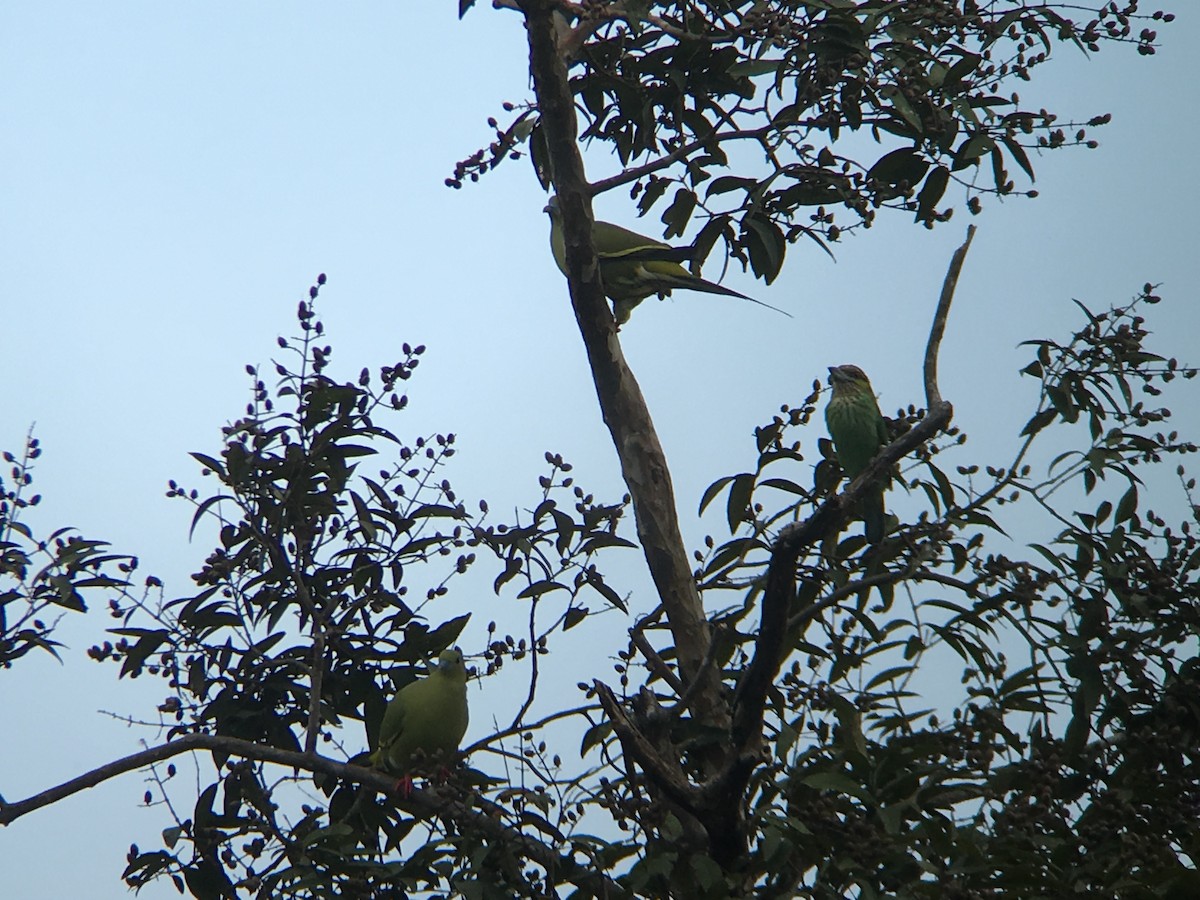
643 463
780 592
481 816
679 153
637 748
933 396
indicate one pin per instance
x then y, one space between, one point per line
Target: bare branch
933 396
638 749
656 663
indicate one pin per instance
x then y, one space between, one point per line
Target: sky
176 175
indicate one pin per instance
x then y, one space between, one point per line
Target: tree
780 746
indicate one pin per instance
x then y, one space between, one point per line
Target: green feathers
633 266
858 431
426 720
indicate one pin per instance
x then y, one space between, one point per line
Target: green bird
424 723
859 432
633 266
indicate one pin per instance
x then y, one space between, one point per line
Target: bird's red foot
404 787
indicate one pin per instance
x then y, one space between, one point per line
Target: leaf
851 96
539 156
738 506
931 193
138 653
961 69
901 105
201 509
596 581
202 813
833 781
999 175
365 522
783 484
209 463
1017 152
1128 505
447 633
538 588
850 734
906 165
512 567
943 483
971 150
566 531
766 246
679 213
726 183
708 873
896 672
1038 422
605 539
750 68
594 737
711 492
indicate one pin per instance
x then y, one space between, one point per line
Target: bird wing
613 240
391 727
881 428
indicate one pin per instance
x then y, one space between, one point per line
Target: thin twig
680 152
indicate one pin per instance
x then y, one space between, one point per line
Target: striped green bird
424 723
859 432
633 266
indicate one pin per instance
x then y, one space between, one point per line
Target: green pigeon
425 721
859 432
633 266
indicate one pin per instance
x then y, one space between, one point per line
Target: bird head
847 375
450 664
849 379
551 206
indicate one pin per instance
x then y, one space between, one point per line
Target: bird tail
696 283
874 516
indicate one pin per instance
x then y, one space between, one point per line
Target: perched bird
633 266
425 721
858 431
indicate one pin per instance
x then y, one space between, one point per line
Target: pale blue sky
176 175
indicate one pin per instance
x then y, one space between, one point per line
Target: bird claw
404 787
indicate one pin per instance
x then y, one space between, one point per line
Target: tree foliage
43 577
997 700
767 121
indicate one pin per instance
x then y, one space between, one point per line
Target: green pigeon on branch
633 266
859 432
424 723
